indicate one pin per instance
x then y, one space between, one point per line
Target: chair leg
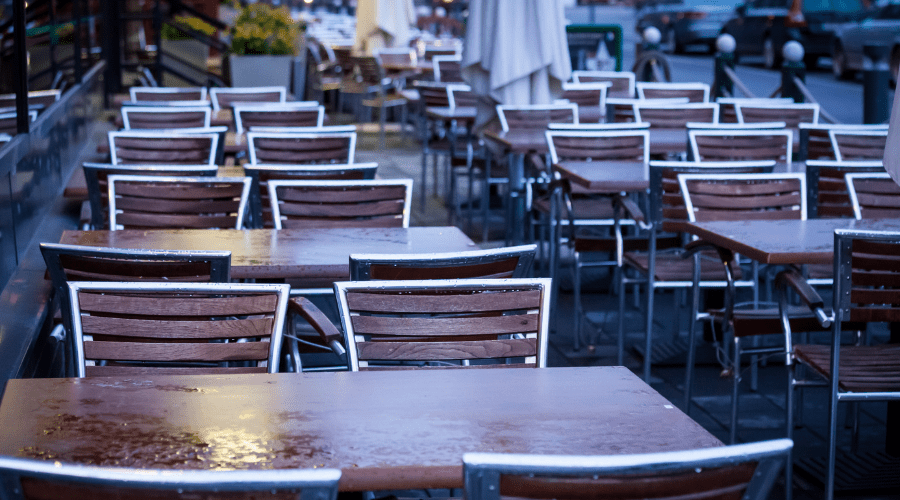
735 386
423 188
576 285
789 406
620 341
381 124
692 340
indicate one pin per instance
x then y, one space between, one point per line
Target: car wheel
771 54
669 44
839 63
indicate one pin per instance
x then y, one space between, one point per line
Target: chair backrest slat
858 144
675 115
222 97
739 197
792 114
278 115
372 203
139 117
301 148
624 145
168 93
496 263
694 92
873 195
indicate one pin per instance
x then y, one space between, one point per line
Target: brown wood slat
169 157
423 351
737 201
394 207
374 222
162 143
185 95
874 314
444 303
134 221
146 328
341 195
130 371
77 268
885 249
819 145
177 206
302 143
875 278
293 118
693 95
744 188
863 296
177 352
791 117
303 157
675 117
536 118
483 325
181 305
226 98
876 262
714 215
179 191
862 368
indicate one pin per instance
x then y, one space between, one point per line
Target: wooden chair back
405 57
495 263
792 114
49 480
442 50
816 143
223 97
621 110
461 96
728 113
738 197
260 175
277 115
864 276
622 83
742 145
132 147
590 98
445 321
745 471
694 92
151 202
873 195
301 148
96 178
447 68
536 116
168 94
858 144
366 203
126 329
614 145
675 115
39 98
432 94
140 117
828 195
9 125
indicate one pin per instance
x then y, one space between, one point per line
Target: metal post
788 71
76 14
111 48
157 39
20 68
723 86
54 22
876 79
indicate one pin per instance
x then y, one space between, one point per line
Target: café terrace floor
762 413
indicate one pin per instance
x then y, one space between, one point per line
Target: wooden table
321 254
384 430
784 241
464 114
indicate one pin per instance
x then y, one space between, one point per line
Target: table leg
892 434
516 199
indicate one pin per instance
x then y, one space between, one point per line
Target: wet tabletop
285 253
521 141
384 430
608 176
784 242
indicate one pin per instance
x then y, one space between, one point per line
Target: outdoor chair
445 322
156 117
447 68
67 263
828 196
132 147
728 113
745 471
621 109
622 83
665 264
96 174
364 203
675 115
858 144
277 115
375 90
49 480
41 98
816 143
152 202
536 116
9 125
590 98
292 148
865 272
168 94
792 114
260 175
224 97
742 145
128 329
743 197
873 195
695 92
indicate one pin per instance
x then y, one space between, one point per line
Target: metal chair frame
813 176
241 215
156 134
275 184
483 471
851 179
594 76
128 110
281 290
252 136
834 133
274 108
215 91
821 132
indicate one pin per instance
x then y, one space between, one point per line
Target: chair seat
673 267
862 368
749 322
585 208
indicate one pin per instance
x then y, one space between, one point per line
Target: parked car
881 26
685 22
761 27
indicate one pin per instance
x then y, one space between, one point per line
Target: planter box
191 51
260 71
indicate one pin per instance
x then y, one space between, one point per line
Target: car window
816 5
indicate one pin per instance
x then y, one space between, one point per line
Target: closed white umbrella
516 51
383 24
892 148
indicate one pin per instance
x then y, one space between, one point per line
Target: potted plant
264 43
176 41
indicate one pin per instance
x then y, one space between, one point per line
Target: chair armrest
538 162
696 246
317 319
793 279
632 210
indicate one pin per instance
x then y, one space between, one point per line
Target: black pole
157 39
723 86
788 71
876 79
20 68
54 40
112 54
